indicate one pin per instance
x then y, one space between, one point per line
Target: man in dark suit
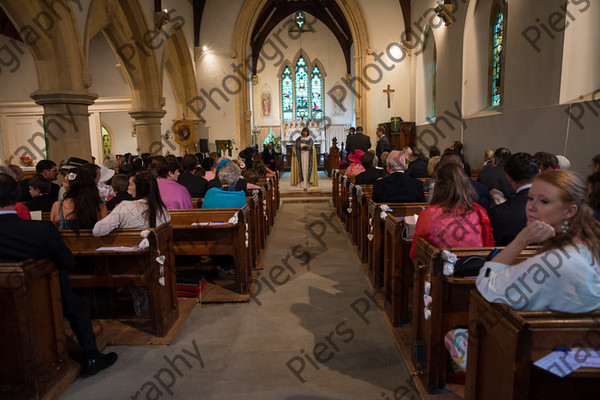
268 156
383 144
495 177
23 239
418 164
508 218
195 184
398 187
358 141
370 174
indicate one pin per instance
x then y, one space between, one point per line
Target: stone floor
310 332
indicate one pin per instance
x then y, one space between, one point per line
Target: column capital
43 97
147 116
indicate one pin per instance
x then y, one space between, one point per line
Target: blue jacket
219 198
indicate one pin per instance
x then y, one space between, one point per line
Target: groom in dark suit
509 218
23 239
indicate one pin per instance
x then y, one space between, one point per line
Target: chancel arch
252 14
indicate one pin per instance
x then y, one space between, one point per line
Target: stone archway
125 28
51 34
241 52
177 63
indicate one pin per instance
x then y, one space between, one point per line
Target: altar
290 131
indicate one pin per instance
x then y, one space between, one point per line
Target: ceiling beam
406 14
197 12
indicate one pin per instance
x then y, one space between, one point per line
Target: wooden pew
364 193
335 174
256 222
268 201
398 271
138 268
217 237
504 343
33 351
347 189
376 247
449 308
475 174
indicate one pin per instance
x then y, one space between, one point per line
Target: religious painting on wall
338 103
265 101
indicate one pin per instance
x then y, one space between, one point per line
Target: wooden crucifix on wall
388 91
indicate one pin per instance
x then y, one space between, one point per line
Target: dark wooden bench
364 193
504 343
215 236
449 308
135 268
33 351
376 246
398 268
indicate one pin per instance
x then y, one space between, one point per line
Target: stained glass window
316 93
300 20
302 101
287 94
497 57
302 91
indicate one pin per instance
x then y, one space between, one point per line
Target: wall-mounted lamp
444 11
161 18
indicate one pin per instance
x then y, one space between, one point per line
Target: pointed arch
302 53
285 63
124 25
248 18
317 63
179 67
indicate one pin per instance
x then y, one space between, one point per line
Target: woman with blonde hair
453 218
565 274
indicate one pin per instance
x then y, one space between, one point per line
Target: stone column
66 123
148 130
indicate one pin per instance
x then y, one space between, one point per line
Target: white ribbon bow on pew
449 261
233 220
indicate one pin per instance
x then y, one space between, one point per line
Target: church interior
97 79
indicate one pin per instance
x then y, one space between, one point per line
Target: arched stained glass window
316 93
287 95
497 65
302 101
302 91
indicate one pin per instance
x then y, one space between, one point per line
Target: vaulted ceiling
275 11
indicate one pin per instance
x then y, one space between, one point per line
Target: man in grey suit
383 144
358 141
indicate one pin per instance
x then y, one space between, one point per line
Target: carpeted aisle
311 332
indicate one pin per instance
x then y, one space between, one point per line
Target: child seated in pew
251 176
120 184
82 207
146 210
453 219
565 275
39 189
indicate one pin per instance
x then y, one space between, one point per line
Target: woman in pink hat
355 166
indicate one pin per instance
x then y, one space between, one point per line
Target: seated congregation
522 233
119 204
